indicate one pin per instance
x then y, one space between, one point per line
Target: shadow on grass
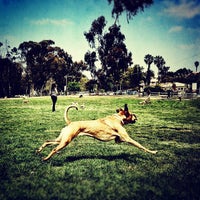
157 177
179 135
134 159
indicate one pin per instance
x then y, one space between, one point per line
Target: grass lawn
90 169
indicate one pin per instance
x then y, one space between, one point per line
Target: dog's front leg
138 145
124 137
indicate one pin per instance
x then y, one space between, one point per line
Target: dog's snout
134 118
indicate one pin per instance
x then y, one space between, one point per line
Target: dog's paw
45 158
38 150
154 152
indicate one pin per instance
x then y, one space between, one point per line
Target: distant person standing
148 92
54 94
168 94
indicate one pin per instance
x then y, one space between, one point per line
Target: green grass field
90 169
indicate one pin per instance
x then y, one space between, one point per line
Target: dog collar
119 118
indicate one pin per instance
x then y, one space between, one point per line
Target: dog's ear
118 110
125 107
126 112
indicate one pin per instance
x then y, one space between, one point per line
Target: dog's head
127 116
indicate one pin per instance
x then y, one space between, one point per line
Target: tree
160 63
73 86
181 75
134 76
131 7
96 31
10 73
196 64
1 44
10 78
90 85
90 59
164 72
83 82
148 59
75 71
45 62
112 52
169 77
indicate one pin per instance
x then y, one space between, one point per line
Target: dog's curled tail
67 120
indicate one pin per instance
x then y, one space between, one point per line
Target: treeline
33 66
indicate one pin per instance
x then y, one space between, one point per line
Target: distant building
178 86
192 85
194 82
154 82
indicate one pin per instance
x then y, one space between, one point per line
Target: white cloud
57 22
175 29
186 46
11 39
149 19
184 9
194 30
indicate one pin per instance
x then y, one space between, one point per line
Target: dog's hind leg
66 136
56 149
66 139
53 142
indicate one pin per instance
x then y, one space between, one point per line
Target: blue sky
169 28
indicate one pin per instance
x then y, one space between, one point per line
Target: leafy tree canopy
45 62
130 7
111 50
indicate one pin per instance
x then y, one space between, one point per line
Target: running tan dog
104 129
